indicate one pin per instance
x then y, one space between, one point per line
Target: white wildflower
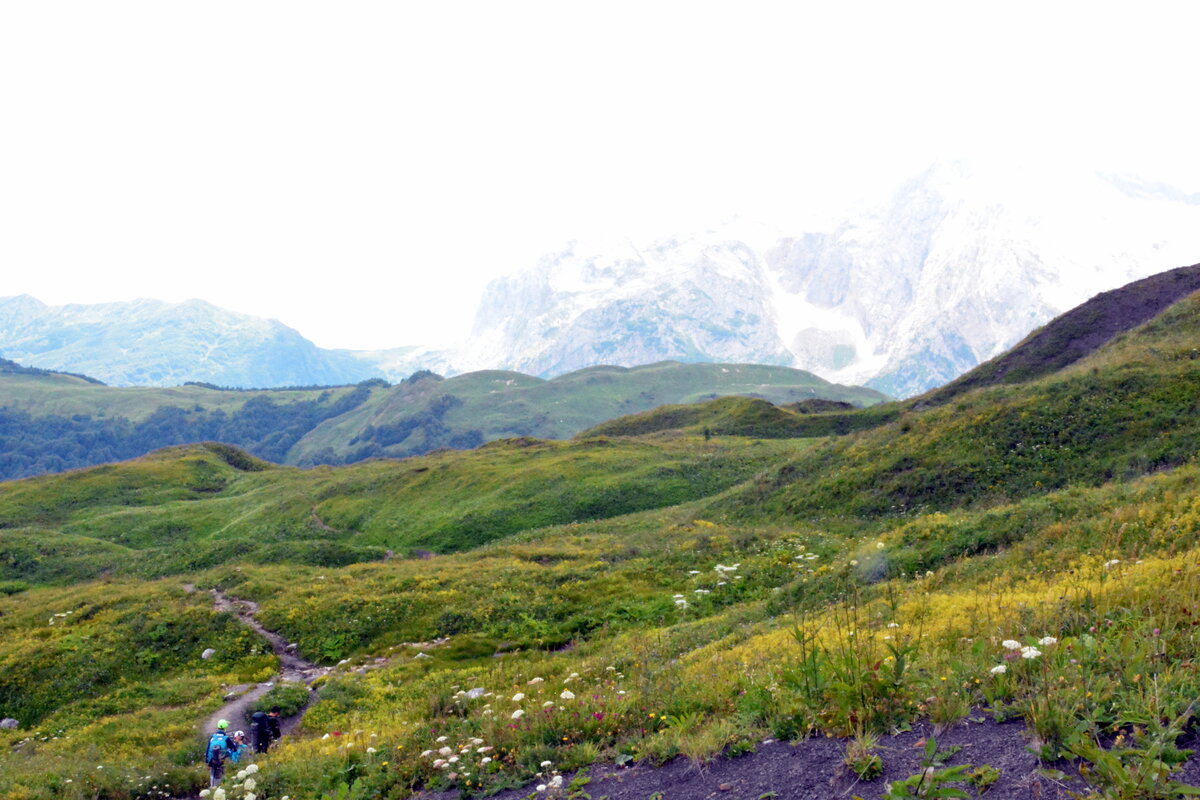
1011 644
1030 652
999 669
1045 641
532 681
518 697
546 764
567 694
518 714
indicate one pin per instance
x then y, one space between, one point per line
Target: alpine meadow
687 583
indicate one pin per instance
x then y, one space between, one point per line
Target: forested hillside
50 422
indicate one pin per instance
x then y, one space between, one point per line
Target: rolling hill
52 421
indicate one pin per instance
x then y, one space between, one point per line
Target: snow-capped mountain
960 264
149 342
694 299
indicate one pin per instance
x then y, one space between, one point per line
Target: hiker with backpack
264 729
220 747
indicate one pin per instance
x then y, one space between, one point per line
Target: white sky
359 170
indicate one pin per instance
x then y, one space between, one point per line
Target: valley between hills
993 587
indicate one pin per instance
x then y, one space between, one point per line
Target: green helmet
223 724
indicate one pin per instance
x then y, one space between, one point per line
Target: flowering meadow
1026 552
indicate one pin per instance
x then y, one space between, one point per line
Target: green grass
508 404
745 416
840 586
188 509
62 395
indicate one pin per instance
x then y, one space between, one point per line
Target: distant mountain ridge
958 265
150 342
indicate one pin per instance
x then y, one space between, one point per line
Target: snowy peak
685 299
956 266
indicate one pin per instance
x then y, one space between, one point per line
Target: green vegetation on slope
1077 333
745 416
420 415
1122 412
195 507
1027 550
50 422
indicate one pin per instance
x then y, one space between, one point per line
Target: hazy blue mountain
149 342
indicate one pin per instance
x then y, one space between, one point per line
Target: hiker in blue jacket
239 747
220 747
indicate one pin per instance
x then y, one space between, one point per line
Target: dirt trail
293 669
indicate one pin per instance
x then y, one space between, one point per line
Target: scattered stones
421 655
208 653
8 723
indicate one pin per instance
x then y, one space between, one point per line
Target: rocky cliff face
695 299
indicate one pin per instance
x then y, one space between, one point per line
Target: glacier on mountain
957 266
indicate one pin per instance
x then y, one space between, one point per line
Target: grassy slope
42 395
1128 409
901 556
744 416
502 404
188 508
1077 333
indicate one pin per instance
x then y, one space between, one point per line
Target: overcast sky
360 170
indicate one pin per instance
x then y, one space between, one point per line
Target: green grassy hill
198 506
415 417
745 416
1025 550
50 421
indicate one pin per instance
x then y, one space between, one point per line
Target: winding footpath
293 669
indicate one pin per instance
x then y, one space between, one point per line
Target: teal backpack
218 749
